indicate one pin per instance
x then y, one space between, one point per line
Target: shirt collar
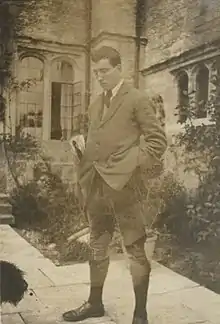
116 88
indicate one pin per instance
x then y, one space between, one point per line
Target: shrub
192 217
48 204
200 145
165 201
203 210
28 205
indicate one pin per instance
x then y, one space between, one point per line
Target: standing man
111 174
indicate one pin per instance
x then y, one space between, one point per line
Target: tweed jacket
113 146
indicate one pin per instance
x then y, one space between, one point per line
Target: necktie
107 98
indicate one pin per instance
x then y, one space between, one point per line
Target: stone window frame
191 71
47 61
23 55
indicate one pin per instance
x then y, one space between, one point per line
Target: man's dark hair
107 52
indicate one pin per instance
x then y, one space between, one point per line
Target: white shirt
116 88
114 92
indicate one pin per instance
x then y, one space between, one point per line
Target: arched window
62 71
63 100
202 91
30 111
183 89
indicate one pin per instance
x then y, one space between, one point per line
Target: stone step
5 209
6 219
4 198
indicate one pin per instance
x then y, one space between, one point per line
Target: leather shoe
83 312
139 320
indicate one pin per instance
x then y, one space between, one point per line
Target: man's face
107 75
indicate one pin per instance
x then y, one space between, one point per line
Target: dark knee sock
95 297
140 272
98 273
141 292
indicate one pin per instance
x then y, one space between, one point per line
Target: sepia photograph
110 161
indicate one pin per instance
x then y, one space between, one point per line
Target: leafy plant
166 203
28 205
201 148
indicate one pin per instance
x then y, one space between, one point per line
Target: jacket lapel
97 110
115 103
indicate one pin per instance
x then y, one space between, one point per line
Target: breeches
108 209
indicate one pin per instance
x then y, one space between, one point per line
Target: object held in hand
77 143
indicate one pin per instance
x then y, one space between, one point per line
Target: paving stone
15 246
203 301
54 316
162 310
9 239
79 273
27 264
19 249
42 263
11 319
63 296
7 233
27 304
163 296
37 279
164 280
65 275
59 300
34 276
173 299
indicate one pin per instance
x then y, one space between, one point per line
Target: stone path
173 299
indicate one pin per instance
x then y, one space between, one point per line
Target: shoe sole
79 319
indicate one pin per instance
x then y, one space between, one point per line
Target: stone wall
60 21
174 27
115 16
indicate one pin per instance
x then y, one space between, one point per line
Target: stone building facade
181 58
53 69
52 55
183 43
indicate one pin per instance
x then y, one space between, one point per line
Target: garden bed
200 263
